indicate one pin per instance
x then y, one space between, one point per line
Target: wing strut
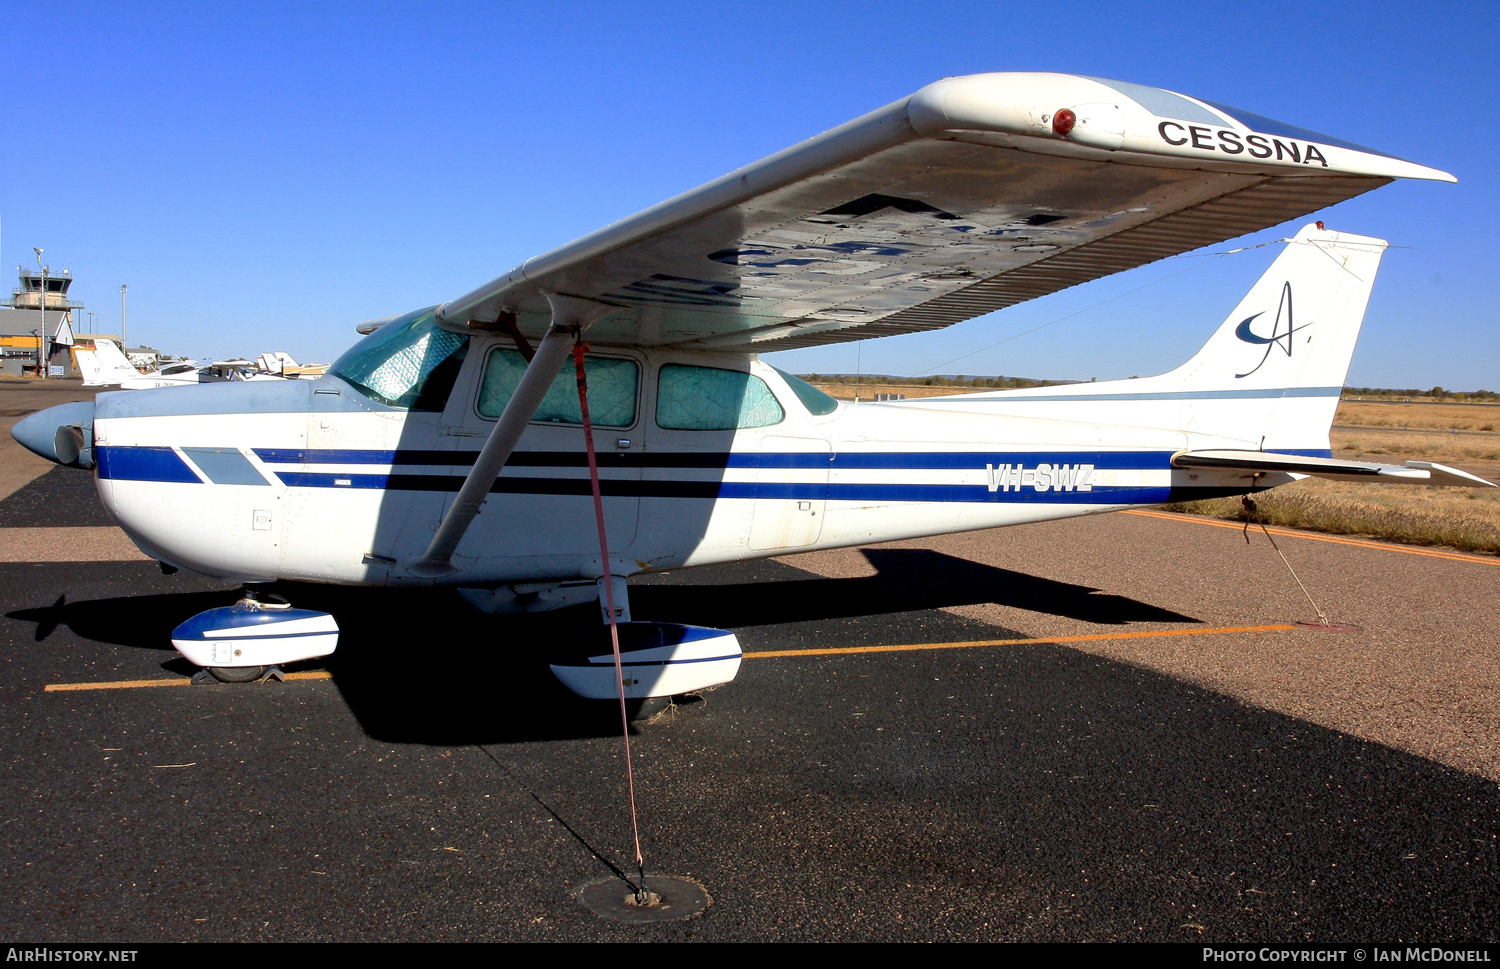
569 317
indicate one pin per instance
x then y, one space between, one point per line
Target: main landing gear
658 660
253 638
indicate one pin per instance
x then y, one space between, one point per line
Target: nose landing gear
237 674
253 638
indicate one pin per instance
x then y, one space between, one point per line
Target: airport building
29 321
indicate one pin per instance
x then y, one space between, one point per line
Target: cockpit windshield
409 363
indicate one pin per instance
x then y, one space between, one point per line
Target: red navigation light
1320 226
1063 121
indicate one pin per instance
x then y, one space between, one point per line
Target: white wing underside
946 205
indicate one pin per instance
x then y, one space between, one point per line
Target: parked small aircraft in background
282 364
106 366
971 195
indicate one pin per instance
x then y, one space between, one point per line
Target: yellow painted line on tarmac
116 685
771 653
1317 537
1090 638
179 681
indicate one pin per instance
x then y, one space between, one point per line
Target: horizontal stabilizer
1414 472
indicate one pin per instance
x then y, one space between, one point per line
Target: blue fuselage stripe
812 491
143 464
718 460
845 460
162 464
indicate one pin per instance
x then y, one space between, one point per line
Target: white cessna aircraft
447 447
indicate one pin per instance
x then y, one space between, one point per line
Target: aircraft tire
237 674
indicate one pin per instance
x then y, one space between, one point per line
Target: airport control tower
23 333
29 295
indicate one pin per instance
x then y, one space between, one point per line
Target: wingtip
1459 478
1423 173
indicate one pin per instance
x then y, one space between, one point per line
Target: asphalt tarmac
1149 752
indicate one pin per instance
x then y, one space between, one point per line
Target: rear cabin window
409 363
612 389
710 399
819 403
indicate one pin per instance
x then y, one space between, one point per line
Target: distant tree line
1001 382
1438 392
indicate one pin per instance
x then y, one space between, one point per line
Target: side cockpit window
711 399
409 363
612 389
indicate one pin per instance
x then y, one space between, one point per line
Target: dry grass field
1465 436
1464 417
867 391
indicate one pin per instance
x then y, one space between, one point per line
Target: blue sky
266 176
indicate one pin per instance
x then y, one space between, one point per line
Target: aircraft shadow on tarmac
140 622
906 580
421 666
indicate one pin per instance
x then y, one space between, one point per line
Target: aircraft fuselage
313 480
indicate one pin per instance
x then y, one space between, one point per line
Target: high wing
971 195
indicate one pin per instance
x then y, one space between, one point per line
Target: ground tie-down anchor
1323 623
643 897
671 898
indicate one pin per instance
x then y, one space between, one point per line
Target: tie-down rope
579 348
1252 516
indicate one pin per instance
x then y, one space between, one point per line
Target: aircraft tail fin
1298 324
278 362
108 365
1272 373
88 366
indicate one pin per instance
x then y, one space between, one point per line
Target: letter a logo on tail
1278 337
